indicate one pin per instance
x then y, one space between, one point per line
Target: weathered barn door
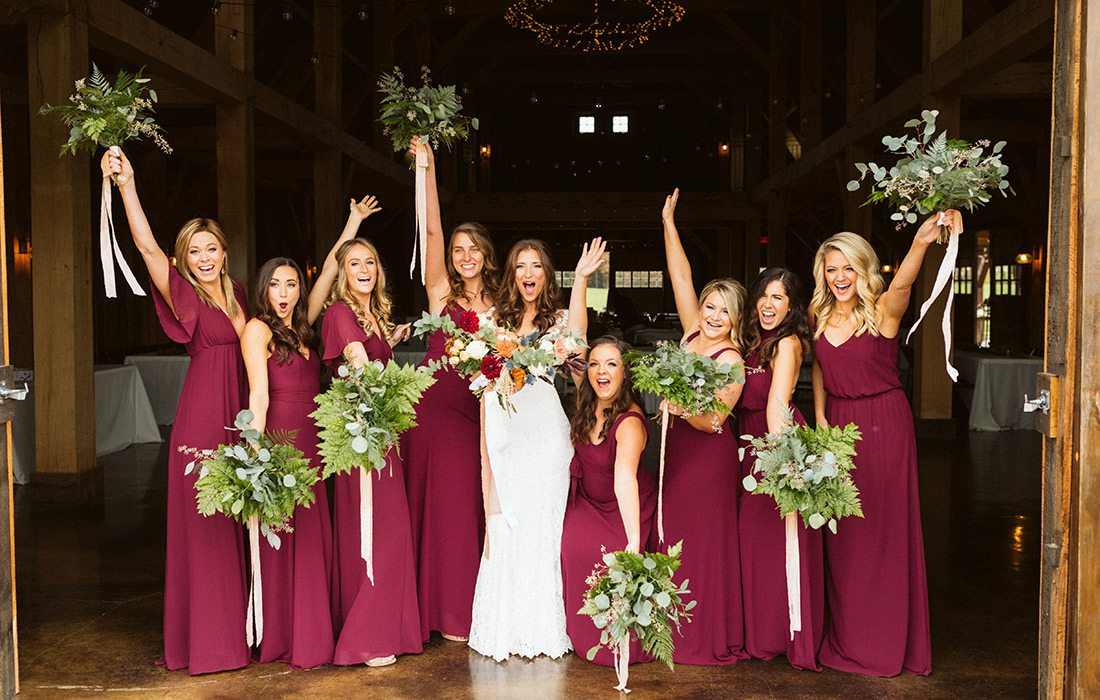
9 667
1069 636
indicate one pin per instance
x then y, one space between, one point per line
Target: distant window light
964 280
586 125
656 279
620 124
639 279
622 279
1006 280
565 278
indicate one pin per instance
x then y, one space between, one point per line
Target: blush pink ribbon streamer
622 663
109 251
366 521
661 475
255 617
943 279
794 573
421 238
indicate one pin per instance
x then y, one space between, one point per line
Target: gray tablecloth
163 378
999 387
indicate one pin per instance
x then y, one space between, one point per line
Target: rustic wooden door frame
1069 630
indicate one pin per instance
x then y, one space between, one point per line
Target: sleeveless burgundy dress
205 587
702 477
763 546
443 477
297 577
593 525
382 619
877 621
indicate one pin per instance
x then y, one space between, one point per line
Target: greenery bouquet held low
260 482
686 379
432 112
633 595
360 418
105 115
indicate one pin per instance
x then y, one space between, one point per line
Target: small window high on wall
620 124
586 125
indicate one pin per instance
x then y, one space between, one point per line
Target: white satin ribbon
943 279
421 237
794 574
108 245
622 663
366 521
661 475
256 589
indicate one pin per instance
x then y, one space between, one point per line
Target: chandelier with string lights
596 32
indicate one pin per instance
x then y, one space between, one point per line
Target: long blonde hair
869 283
734 296
183 243
381 306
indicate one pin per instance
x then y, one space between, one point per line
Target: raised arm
895 299
819 395
254 343
155 259
785 366
357 212
630 441
591 260
679 269
435 252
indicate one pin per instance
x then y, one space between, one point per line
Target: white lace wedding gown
518 606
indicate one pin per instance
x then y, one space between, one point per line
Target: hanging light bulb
314 59
287 14
534 97
450 8
215 7
362 14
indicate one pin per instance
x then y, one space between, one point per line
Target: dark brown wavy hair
490 272
285 340
509 301
795 323
584 417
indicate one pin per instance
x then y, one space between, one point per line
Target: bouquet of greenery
934 173
428 110
362 415
807 471
105 115
633 594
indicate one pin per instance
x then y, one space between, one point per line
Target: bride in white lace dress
518 607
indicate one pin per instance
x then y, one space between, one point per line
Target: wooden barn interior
757 110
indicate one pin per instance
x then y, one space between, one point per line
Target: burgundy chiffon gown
702 476
593 525
204 564
297 577
443 477
763 548
382 619
877 621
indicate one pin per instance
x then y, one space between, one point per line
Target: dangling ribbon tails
622 662
943 279
256 589
366 520
109 251
794 573
661 475
421 238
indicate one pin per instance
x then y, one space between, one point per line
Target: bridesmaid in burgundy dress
702 469
443 453
612 499
877 622
200 306
777 336
374 622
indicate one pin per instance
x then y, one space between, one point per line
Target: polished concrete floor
90 577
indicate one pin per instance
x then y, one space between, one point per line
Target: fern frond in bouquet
264 477
430 110
365 411
101 114
807 471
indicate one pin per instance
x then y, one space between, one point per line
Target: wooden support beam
597 210
1022 27
860 53
61 215
1023 79
382 41
745 41
328 195
236 150
811 62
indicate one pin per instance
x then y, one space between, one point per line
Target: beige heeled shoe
380 661
454 637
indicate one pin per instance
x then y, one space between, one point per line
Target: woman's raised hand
365 207
416 141
591 257
929 231
668 212
117 167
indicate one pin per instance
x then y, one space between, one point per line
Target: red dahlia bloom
469 322
491 366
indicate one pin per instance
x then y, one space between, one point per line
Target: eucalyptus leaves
633 594
684 378
362 415
266 477
429 110
807 471
934 173
102 115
